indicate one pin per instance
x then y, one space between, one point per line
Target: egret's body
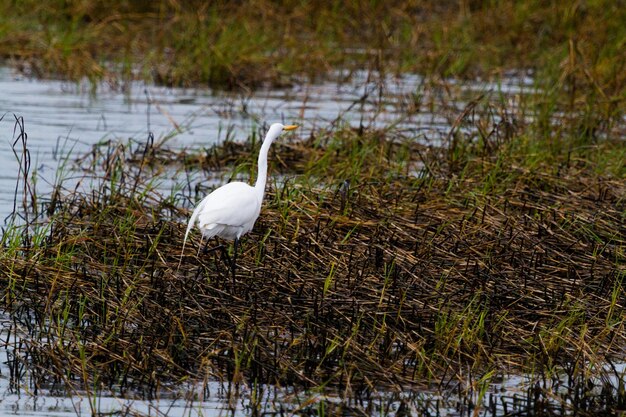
231 210
228 212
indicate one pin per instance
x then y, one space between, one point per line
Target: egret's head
276 129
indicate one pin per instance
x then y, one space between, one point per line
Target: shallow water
64 119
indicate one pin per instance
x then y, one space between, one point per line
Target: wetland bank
418 249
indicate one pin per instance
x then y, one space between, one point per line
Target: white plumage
228 212
232 209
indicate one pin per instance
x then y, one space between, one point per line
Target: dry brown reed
379 273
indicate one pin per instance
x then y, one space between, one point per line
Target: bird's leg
205 249
234 262
225 256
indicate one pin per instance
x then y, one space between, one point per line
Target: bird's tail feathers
192 222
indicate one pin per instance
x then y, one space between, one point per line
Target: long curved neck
261 177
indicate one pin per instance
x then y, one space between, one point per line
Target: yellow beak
290 127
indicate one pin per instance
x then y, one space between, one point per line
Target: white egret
230 211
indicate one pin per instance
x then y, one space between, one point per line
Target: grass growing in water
378 261
575 47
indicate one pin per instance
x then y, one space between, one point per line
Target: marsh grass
378 261
573 47
381 260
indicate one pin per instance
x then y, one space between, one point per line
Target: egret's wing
234 204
